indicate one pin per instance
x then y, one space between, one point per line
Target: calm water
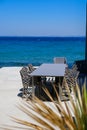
18 51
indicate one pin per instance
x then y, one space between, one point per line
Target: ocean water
20 51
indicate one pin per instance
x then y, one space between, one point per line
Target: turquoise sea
19 51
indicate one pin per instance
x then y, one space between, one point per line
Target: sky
42 17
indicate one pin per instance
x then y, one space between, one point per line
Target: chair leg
24 91
23 95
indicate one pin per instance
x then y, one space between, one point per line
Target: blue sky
42 17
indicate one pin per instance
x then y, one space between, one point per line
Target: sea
21 51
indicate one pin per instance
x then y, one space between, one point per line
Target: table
50 70
54 70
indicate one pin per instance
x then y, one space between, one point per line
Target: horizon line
46 36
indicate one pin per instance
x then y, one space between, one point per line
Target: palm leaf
53 115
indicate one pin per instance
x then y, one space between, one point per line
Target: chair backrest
24 71
24 76
59 60
31 68
71 76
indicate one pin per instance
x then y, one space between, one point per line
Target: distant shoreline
47 36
